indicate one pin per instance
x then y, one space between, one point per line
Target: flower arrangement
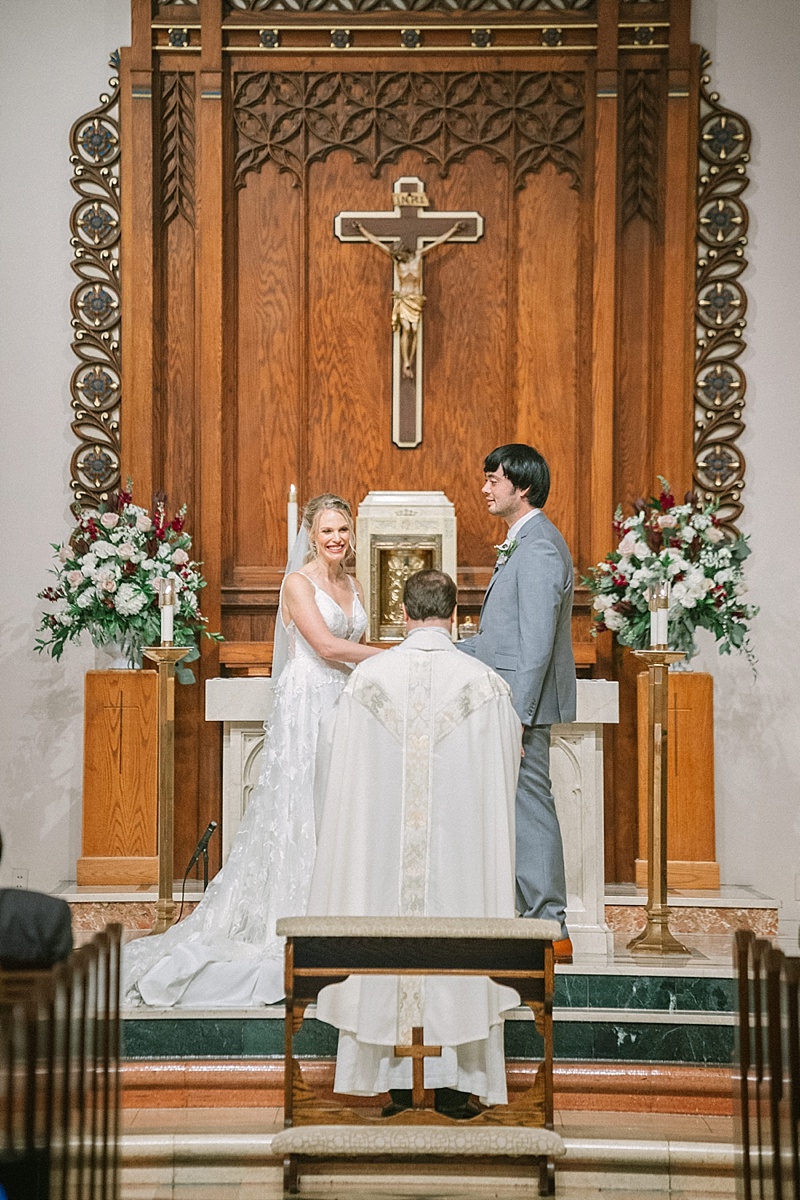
683 545
108 577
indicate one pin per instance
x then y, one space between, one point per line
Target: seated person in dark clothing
35 929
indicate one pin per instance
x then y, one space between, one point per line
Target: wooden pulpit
691 851
120 779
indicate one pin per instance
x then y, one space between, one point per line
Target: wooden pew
767 1094
325 950
59 1076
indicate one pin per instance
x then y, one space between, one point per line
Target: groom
525 634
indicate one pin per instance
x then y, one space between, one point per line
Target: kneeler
325 950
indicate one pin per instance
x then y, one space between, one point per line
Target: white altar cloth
576 768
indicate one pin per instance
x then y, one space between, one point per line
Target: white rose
86 598
714 535
600 603
109 520
63 554
143 522
626 546
74 578
614 620
740 589
148 564
682 595
179 557
104 550
126 551
105 580
163 550
641 550
688 534
667 521
88 566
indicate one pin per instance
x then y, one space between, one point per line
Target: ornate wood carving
95 229
177 146
721 302
522 119
641 135
407 5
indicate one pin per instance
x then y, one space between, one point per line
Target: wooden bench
326 950
767 1099
59 1087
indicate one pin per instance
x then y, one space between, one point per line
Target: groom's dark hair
525 467
429 594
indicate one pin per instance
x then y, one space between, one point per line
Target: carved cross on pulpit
417 1052
407 234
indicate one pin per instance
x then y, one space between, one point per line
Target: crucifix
418 1052
406 235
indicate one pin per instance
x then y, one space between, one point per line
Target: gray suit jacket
525 630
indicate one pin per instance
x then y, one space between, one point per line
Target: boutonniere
505 550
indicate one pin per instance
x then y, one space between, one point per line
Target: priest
416 777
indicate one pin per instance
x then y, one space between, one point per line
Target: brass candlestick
656 938
165 657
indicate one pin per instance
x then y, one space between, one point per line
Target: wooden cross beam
407 234
418 1052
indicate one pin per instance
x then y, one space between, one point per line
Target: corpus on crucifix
407 235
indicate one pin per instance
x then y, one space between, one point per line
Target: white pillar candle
166 601
291 519
653 627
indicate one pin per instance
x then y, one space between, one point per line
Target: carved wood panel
257 346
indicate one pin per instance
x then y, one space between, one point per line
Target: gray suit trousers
541 885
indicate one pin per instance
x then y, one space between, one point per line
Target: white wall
755 49
52 68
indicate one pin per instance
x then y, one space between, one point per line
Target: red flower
92 529
666 500
177 524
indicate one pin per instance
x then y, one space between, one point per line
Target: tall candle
291 518
658 603
166 601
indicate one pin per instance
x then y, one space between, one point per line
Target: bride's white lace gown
226 952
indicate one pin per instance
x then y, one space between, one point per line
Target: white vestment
416 777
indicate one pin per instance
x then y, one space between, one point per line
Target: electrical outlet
19 877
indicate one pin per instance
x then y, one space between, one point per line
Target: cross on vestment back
407 234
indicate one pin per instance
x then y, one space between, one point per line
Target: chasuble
416 777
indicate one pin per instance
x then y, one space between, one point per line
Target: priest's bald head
429 598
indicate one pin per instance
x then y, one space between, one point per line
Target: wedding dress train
226 953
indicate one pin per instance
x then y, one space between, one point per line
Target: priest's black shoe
453 1104
399 1101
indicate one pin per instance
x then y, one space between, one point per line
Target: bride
227 953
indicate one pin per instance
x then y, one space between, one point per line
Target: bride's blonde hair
312 512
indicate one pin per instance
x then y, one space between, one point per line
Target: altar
576 768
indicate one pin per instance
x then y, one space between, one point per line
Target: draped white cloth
226 953
416 777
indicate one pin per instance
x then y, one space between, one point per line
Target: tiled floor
654 1138
666 1127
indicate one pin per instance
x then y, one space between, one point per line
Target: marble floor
610 1156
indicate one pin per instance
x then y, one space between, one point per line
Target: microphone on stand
200 848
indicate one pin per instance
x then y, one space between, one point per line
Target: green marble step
598 1017
662 1038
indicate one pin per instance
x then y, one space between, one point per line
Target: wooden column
210 268
691 852
137 182
674 415
120 774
